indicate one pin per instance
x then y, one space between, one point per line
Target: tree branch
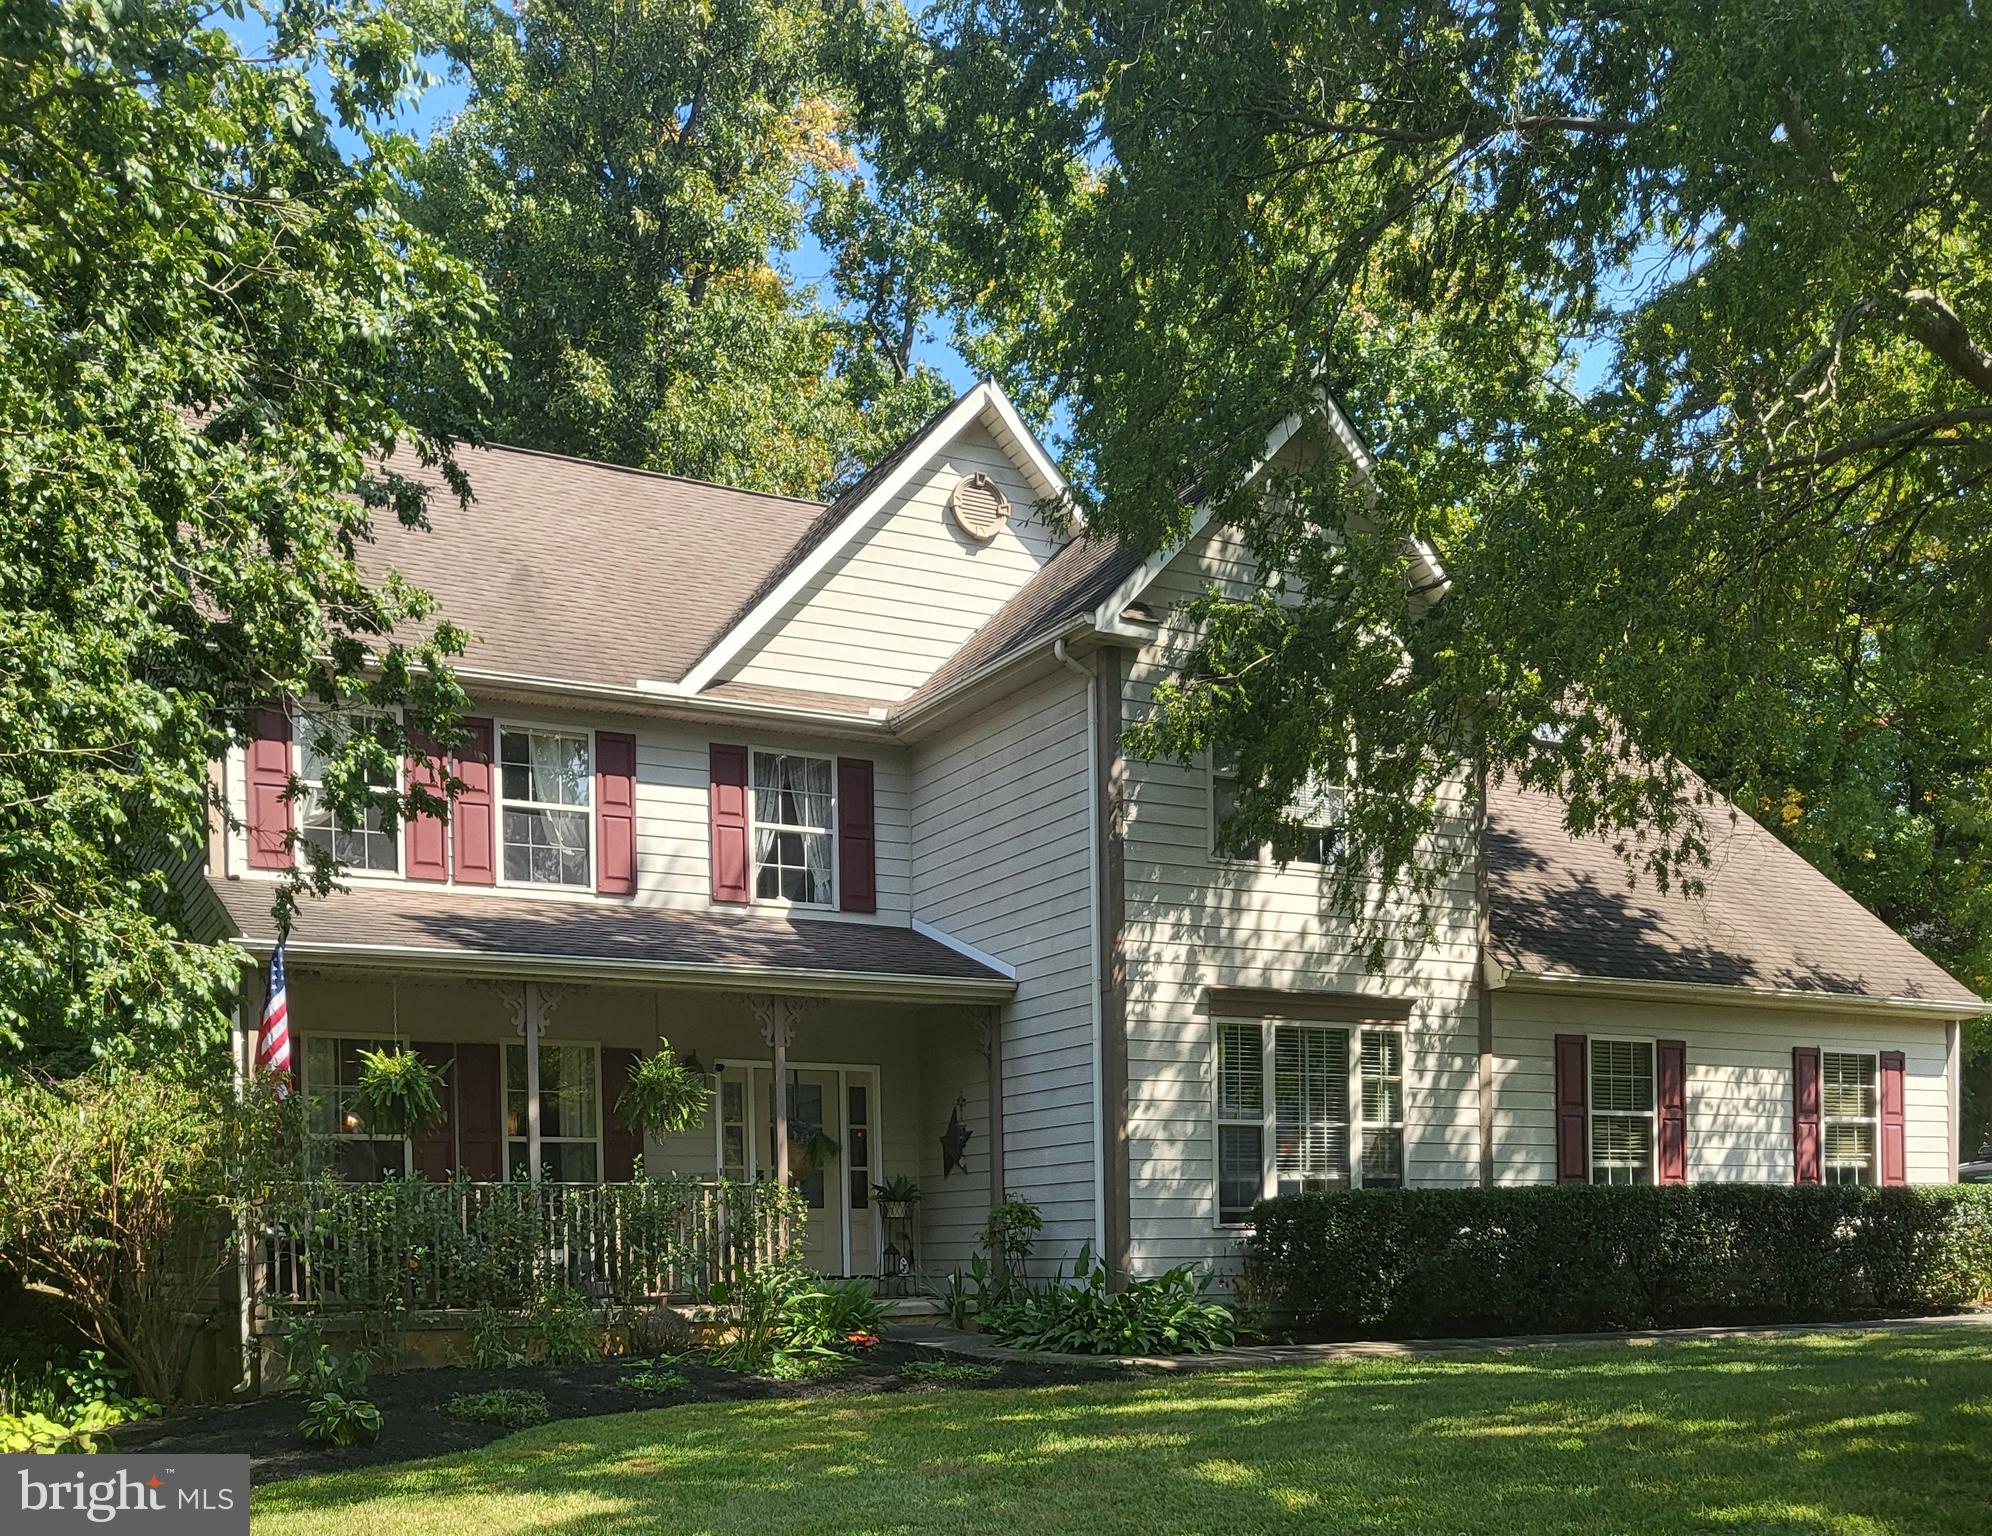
1937 328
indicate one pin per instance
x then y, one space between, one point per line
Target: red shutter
268 760
1671 1075
428 835
857 839
729 823
479 1107
1573 1110
615 813
622 1145
1805 1160
1894 1133
474 814
435 1149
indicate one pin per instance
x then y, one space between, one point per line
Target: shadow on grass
1839 1433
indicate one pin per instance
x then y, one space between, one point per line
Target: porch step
910 1306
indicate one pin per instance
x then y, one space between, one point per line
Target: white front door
832 1115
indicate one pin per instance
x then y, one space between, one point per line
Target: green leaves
1658 324
212 322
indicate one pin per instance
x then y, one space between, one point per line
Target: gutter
1716 995
659 699
734 978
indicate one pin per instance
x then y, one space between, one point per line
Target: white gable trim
947 940
988 397
1107 617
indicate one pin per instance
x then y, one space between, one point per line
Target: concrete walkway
939 1336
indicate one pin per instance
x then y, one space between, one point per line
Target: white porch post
778 1017
529 1019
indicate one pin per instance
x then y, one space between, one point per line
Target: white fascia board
1703 994
1109 612
985 397
962 947
812 982
1041 465
1434 579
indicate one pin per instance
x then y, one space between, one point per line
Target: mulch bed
414 1425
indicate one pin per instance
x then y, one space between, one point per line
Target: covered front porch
840 1057
832 1096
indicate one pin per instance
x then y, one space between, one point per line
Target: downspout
245 1239
1483 993
1085 675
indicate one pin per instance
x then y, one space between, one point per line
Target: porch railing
413 1244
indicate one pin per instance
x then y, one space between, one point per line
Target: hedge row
1434 1262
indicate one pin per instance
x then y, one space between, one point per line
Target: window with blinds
1310 1107
1622 1138
1849 1115
1241 1119
1383 1109
1303 1107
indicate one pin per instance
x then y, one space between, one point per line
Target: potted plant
399 1093
897 1195
662 1096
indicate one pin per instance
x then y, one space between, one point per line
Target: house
833 799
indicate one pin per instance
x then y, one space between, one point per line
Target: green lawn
1831 1433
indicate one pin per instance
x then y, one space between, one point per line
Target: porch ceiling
467 932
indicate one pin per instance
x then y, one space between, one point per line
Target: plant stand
899 1262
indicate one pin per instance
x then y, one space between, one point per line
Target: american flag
273 1052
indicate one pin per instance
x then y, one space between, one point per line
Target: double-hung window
1622 1139
570 1114
365 844
1292 1115
545 784
1312 833
1383 1108
331 1083
1849 1113
793 810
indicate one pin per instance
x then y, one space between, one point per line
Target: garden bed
415 1424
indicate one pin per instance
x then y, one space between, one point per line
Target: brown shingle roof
1767 919
1072 582
471 924
564 568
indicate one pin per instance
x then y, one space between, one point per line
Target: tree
1667 326
217 328
627 175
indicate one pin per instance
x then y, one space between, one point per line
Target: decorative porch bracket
778 1016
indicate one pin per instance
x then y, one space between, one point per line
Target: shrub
1435 1262
830 1315
78 1433
506 1407
948 1371
116 1195
785 1315
1012 1232
662 1380
310 1366
562 1326
1166 1315
491 1341
335 1419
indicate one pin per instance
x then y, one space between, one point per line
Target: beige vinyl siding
1196 922
1002 860
908 589
1739 1079
673 825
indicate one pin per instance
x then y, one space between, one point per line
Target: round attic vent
979 507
